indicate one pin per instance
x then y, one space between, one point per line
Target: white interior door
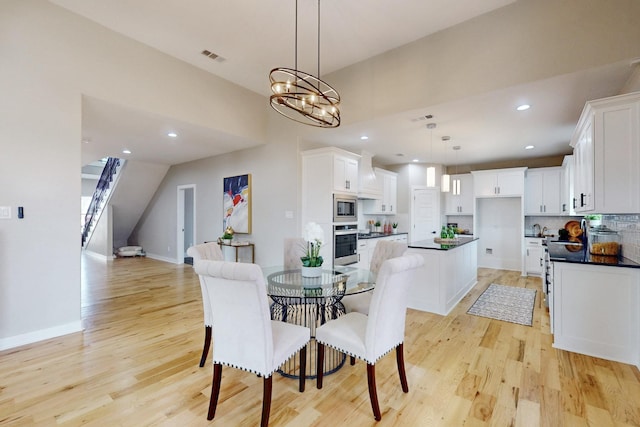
425 213
186 220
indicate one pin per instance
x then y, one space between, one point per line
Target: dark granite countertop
584 257
431 244
377 235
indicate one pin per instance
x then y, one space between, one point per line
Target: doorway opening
186 224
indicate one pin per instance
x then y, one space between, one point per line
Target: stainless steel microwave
345 208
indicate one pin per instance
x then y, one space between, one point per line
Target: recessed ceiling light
523 107
172 134
364 137
415 160
126 151
529 147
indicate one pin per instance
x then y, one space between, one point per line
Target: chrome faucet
534 230
544 231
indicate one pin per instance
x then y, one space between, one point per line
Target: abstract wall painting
236 202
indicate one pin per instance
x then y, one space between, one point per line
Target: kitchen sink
566 249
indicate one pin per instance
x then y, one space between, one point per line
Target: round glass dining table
312 301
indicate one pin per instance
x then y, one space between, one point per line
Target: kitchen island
449 272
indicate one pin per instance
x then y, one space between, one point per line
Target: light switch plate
5 212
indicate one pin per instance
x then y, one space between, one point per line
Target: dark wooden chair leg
373 394
352 360
266 401
400 360
215 390
303 367
319 365
207 343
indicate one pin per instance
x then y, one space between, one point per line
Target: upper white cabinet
566 187
345 174
462 203
606 152
583 168
499 182
387 205
542 191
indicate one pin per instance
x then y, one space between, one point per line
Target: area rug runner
506 303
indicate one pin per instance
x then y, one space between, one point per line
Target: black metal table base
310 312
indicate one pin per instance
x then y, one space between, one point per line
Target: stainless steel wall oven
345 244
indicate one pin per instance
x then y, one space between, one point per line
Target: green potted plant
312 260
394 228
226 238
377 225
594 219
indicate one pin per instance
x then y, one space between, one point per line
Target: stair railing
102 190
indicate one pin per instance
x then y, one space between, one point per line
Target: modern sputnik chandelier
303 97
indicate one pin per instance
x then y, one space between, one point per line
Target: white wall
275 189
499 228
50 58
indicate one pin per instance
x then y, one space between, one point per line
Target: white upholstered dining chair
384 250
212 252
294 249
369 337
245 336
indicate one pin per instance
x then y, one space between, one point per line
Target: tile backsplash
627 225
629 228
553 223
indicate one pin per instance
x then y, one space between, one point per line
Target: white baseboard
40 335
162 258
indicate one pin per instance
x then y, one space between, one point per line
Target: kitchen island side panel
444 279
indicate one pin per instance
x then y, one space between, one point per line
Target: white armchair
369 337
210 251
385 249
245 336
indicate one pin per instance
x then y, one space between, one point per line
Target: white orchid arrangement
314 235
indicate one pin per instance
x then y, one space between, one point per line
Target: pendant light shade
445 183
456 182
301 96
431 171
445 180
431 176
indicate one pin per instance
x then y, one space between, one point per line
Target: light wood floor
136 364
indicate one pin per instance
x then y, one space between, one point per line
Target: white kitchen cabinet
566 187
345 174
363 254
542 191
584 169
460 204
534 256
318 188
607 154
499 182
387 205
595 310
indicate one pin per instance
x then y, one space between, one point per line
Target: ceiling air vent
420 118
212 55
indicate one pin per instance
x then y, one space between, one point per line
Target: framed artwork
236 202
